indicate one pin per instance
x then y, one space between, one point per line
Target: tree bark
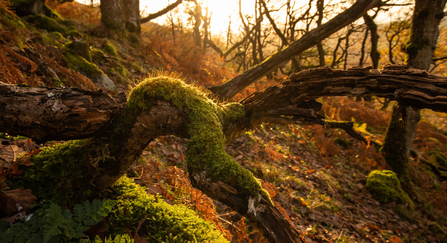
112 15
372 27
132 15
294 98
161 12
197 23
234 86
320 8
420 50
56 114
116 142
62 114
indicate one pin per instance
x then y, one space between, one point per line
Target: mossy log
118 131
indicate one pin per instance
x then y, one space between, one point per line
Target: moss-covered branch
118 132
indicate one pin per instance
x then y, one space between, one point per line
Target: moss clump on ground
53 38
385 187
57 174
73 34
163 222
80 63
110 49
50 24
206 151
97 55
56 35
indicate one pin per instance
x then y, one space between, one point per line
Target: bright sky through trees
223 10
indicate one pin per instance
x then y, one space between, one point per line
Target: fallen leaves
14 203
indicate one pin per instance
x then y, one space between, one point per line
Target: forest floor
315 174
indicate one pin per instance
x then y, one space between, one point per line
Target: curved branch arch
118 132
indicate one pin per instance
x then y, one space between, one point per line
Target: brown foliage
344 109
15 68
179 189
325 144
183 56
74 10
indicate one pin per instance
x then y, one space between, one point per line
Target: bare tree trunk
320 8
112 15
362 49
234 86
420 50
206 23
197 23
335 59
161 12
372 27
132 15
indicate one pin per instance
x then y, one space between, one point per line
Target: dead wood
46 114
312 38
410 87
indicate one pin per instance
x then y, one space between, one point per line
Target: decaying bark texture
420 51
294 99
117 141
55 114
266 216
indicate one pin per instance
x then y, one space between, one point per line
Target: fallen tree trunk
118 131
410 87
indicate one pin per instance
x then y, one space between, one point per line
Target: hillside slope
317 175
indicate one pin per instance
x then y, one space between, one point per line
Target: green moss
206 151
49 24
73 33
122 74
163 222
53 38
342 142
57 173
12 21
405 213
97 55
56 35
110 49
385 187
52 13
79 63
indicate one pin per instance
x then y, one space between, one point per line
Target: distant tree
308 40
117 130
33 7
420 50
394 34
124 15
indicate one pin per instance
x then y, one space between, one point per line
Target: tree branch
161 12
409 86
237 84
55 114
116 142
